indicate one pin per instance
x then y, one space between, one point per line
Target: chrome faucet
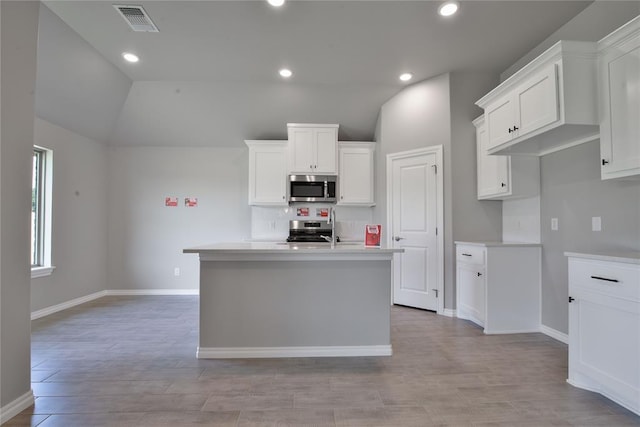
331 219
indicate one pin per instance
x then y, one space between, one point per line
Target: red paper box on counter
372 234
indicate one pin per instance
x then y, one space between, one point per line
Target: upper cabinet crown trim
311 125
562 49
620 35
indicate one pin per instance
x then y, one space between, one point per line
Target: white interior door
415 216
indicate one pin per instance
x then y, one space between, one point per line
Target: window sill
41 271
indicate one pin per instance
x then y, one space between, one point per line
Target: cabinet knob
398 238
571 299
515 128
479 274
605 162
282 197
341 197
510 130
503 184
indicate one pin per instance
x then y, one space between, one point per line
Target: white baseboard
153 291
306 351
77 301
449 312
12 409
560 336
65 305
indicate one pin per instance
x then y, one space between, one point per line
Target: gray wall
471 219
573 192
79 240
145 237
18 40
439 111
593 23
76 87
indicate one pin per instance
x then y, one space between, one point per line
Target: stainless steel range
310 231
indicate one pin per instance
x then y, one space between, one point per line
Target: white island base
262 300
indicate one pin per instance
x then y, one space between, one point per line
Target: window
41 213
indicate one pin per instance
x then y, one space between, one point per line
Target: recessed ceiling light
276 3
286 73
448 8
405 77
130 57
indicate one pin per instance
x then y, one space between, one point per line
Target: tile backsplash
272 223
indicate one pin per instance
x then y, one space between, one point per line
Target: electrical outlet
596 223
176 271
554 224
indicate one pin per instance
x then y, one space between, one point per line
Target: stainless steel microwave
312 188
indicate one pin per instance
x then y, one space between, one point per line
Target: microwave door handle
326 190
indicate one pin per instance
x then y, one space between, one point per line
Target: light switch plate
596 223
554 224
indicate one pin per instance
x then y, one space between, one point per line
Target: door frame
438 151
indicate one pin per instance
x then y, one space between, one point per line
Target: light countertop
277 250
631 257
498 244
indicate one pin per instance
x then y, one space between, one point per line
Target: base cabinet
498 286
604 327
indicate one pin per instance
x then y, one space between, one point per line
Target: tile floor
130 361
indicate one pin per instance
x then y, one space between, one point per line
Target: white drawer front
470 254
615 279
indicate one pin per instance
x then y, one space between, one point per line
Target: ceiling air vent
137 18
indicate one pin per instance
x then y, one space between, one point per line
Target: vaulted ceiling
209 77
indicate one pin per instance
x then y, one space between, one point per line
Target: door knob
398 238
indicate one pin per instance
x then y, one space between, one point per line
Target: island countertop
283 250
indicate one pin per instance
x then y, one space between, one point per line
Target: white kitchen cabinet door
325 150
503 177
604 327
267 173
494 178
619 100
356 173
500 118
313 148
536 102
471 289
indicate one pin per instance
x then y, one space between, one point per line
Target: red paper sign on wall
171 202
372 234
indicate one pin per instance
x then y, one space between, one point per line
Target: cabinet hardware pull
510 130
479 274
571 299
503 184
515 128
436 291
605 162
605 279
398 238
466 254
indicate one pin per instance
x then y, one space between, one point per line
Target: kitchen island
294 300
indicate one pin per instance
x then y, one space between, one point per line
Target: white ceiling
209 77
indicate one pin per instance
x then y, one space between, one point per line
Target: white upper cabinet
619 100
355 182
313 148
548 105
267 173
503 177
